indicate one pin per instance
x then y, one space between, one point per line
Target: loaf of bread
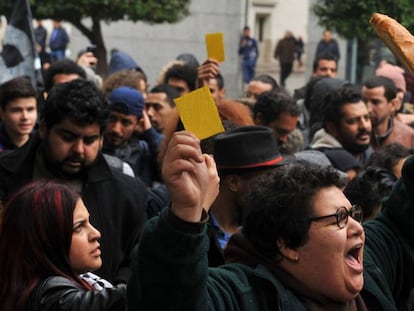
396 37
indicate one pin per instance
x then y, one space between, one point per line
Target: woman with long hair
47 244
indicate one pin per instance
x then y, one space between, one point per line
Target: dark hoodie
315 98
120 61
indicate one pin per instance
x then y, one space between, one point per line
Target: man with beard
126 115
346 129
67 150
380 96
241 155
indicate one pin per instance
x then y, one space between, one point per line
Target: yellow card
199 113
215 46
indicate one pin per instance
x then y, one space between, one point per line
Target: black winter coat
116 204
60 294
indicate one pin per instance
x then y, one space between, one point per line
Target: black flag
19 56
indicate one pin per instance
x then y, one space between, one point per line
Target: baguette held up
396 37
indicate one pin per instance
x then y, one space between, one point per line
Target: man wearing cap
380 95
125 112
240 154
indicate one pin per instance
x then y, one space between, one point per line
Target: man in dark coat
328 45
67 150
285 52
58 42
126 106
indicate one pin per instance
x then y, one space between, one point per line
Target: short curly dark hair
64 66
79 100
184 72
388 156
369 188
280 206
332 109
272 104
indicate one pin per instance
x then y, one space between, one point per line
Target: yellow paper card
199 113
215 46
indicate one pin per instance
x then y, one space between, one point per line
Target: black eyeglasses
342 215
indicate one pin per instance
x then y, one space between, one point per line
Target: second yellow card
215 46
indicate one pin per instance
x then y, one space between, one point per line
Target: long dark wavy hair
36 228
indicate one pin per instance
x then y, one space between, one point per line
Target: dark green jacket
170 266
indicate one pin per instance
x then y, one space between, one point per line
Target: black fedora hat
246 147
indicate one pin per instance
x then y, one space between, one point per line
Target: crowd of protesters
304 202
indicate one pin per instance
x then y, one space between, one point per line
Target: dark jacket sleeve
158 198
390 239
135 196
153 139
276 52
170 272
398 208
241 48
58 293
117 204
169 269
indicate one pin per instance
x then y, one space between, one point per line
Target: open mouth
74 163
354 252
354 258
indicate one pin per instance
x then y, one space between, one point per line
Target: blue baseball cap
126 100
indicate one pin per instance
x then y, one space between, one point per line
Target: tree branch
82 28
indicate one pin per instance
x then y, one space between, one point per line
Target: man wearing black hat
125 112
240 154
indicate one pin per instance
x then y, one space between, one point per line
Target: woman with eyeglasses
48 248
302 246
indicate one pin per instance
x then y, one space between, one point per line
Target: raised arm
171 258
208 70
187 173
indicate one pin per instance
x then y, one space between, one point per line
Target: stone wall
153 46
